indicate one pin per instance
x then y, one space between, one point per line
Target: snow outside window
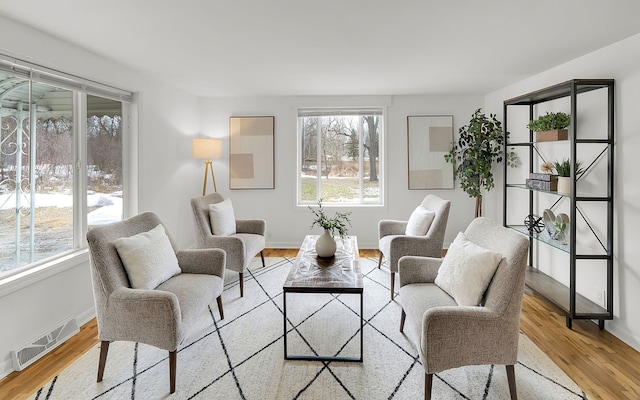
49 196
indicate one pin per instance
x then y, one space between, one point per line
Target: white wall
163 118
620 61
167 176
286 223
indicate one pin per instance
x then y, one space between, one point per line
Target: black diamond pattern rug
242 356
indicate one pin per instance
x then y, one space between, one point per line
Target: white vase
326 245
564 184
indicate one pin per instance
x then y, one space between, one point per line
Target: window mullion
361 158
319 159
33 137
80 169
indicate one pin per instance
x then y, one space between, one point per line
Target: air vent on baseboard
35 349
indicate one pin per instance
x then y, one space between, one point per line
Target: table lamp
207 149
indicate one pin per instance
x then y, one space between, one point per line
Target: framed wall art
429 138
251 153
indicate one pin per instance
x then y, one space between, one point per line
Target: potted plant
478 148
551 126
326 244
563 169
561 224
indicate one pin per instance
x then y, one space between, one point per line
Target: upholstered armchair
465 309
216 227
421 235
147 291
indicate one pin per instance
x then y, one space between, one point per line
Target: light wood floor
603 366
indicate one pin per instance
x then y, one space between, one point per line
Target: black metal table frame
359 291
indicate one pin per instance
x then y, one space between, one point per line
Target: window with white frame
339 156
61 163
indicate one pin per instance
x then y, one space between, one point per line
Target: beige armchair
393 242
241 246
448 335
160 316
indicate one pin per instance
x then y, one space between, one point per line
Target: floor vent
29 353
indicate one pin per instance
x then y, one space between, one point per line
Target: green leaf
478 148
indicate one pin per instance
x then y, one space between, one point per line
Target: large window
339 156
61 167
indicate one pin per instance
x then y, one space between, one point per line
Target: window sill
42 271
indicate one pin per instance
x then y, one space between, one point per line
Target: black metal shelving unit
566 297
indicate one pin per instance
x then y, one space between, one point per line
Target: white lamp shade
206 148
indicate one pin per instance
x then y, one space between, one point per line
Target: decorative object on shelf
326 245
556 225
251 153
534 223
564 185
547 167
561 224
563 169
478 148
542 181
545 180
549 219
429 138
551 126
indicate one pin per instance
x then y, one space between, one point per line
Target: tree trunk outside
372 148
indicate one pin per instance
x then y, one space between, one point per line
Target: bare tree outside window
339 156
38 174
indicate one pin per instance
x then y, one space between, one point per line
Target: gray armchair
162 316
448 335
393 243
241 247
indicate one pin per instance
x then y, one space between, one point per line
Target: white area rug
241 357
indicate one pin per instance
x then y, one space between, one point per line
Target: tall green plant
478 148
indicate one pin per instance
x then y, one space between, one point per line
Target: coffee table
312 274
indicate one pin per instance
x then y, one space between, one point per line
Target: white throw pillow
148 258
467 270
419 222
223 220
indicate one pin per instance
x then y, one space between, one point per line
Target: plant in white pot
563 169
326 244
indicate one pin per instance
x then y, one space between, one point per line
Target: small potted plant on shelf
551 126
563 169
326 244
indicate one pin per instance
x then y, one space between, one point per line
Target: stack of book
541 181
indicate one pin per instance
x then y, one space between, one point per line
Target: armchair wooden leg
511 377
380 260
262 257
219 300
173 356
428 381
393 284
402 318
241 280
104 349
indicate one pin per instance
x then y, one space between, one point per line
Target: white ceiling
334 47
